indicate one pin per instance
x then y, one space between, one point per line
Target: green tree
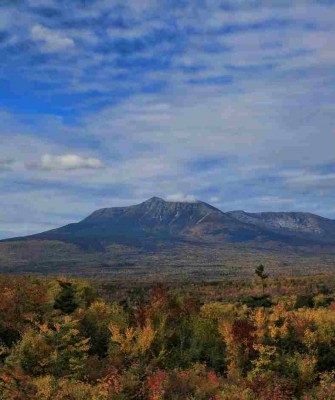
260 273
66 299
56 349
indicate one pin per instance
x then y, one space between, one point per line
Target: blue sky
107 103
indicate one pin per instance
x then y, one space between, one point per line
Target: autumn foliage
235 340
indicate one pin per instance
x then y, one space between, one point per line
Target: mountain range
156 227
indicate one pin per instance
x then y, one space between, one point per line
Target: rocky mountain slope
305 225
158 230
159 220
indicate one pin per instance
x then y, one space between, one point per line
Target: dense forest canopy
239 339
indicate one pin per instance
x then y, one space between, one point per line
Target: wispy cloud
232 102
65 162
52 41
274 201
181 198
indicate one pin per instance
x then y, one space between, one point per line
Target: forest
254 338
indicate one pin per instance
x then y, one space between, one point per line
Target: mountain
159 220
152 220
157 229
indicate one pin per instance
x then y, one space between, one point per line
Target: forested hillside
239 339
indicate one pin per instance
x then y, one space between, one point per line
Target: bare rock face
293 222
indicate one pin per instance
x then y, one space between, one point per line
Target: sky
108 103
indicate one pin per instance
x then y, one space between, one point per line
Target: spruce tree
65 300
260 272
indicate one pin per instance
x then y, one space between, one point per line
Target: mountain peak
155 199
157 220
171 199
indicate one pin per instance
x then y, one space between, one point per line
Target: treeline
235 340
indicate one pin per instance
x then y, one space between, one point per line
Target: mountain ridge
161 219
164 237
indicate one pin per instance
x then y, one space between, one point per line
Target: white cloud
255 120
265 122
65 162
53 41
181 198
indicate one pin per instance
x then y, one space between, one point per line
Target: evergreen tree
65 300
260 272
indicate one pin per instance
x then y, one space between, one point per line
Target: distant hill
157 228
